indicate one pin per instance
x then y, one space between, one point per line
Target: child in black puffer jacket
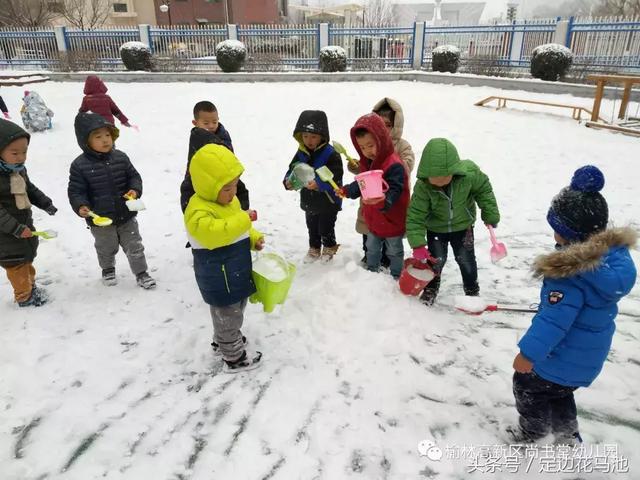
99 181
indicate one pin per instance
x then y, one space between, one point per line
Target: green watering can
272 276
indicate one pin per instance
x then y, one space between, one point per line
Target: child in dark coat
385 217
569 339
4 109
97 101
318 199
18 246
208 129
99 181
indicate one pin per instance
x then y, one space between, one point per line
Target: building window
120 7
56 7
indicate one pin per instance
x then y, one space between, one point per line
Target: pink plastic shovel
498 249
496 308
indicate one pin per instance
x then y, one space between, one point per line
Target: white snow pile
333 51
470 304
554 48
270 267
446 49
231 47
358 382
134 46
424 274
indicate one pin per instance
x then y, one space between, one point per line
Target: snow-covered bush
136 56
445 58
333 59
230 55
551 61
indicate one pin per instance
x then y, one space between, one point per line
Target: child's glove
260 244
51 210
131 194
422 254
342 192
6 115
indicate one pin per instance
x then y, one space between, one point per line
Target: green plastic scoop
46 234
343 151
326 175
100 221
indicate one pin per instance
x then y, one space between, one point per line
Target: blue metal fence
281 46
28 47
611 44
507 44
103 43
606 44
375 47
189 47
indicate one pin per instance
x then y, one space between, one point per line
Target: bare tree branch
618 7
25 13
86 14
378 13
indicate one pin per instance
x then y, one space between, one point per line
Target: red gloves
422 254
6 115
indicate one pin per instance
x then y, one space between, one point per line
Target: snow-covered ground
120 383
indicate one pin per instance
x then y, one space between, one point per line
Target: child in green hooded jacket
442 211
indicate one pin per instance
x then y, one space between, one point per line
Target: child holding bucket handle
384 215
391 113
443 209
221 238
318 199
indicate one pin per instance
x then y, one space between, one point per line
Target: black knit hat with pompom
579 210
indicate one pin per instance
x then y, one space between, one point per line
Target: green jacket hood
439 159
212 167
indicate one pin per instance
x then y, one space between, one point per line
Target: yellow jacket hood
212 167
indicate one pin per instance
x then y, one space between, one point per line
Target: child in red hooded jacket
97 101
385 216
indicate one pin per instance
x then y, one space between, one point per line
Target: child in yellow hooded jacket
222 238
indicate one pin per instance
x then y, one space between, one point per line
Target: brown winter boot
329 252
312 255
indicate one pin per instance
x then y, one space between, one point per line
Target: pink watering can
498 249
371 184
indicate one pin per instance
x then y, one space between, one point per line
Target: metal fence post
562 30
145 35
323 32
567 42
232 31
61 38
418 45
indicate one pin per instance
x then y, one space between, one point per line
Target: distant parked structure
348 14
451 13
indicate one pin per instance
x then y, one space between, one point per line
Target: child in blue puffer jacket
570 337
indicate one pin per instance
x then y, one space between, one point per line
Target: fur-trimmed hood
583 257
398 121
